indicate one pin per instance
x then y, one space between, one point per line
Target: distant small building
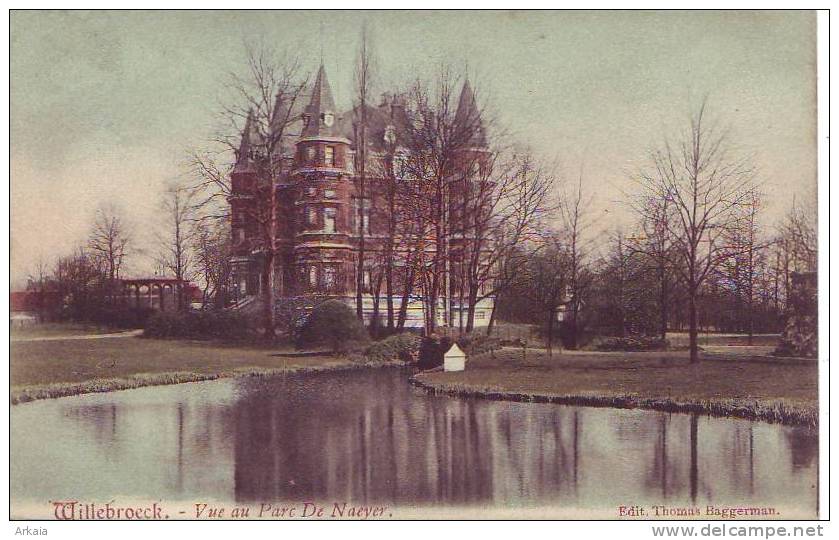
31 307
454 359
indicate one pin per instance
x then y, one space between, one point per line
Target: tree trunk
406 294
692 330
359 272
491 318
550 332
663 301
268 296
374 318
472 301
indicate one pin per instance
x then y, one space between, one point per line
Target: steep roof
468 116
244 157
320 104
389 114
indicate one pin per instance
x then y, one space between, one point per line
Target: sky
106 105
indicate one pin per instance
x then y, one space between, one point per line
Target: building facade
314 211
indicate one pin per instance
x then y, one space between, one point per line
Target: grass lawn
41 369
775 390
59 329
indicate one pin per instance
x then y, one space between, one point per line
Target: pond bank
781 392
31 393
51 369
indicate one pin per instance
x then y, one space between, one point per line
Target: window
329 156
329 220
239 235
366 279
329 277
312 216
310 153
311 192
365 220
362 224
329 193
313 276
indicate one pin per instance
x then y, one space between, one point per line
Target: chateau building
321 222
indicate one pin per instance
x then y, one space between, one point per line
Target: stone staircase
249 305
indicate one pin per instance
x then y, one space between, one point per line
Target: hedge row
404 346
633 343
224 325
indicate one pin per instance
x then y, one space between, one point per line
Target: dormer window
328 119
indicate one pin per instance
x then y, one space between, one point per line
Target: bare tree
504 200
746 260
210 243
363 76
266 103
108 241
176 255
799 230
546 278
79 279
437 139
575 224
706 185
655 243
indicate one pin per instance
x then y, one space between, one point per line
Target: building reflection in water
368 437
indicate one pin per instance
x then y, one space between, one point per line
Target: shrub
223 325
432 349
473 344
120 316
403 346
332 323
633 343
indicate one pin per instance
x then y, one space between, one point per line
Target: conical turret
245 156
320 113
468 117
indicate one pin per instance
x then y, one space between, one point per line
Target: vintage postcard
414 265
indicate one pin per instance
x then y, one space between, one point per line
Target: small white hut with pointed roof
454 359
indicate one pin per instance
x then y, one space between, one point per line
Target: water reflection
369 437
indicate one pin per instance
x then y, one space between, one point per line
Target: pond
367 436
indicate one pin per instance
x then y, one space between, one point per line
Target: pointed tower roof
469 116
244 158
321 105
